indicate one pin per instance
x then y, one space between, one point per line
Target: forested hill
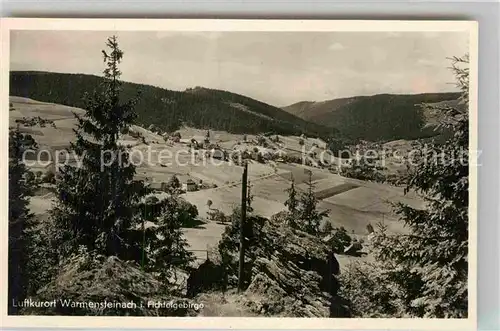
377 117
168 110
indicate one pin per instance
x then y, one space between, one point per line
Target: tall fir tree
97 202
168 249
21 186
429 265
308 213
292 203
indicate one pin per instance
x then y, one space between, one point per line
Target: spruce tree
97 202
168 251
429 265
21 187
308 213
292 202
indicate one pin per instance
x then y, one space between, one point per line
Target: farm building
159 186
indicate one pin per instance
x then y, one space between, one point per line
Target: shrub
340 240
370 291
49 177
327 227
217 216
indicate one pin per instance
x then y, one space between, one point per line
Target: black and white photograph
241 171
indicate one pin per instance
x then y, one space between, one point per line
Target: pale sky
279 68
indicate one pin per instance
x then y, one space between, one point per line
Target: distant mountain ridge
197 107
376 117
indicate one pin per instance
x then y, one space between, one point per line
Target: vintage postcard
239 173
